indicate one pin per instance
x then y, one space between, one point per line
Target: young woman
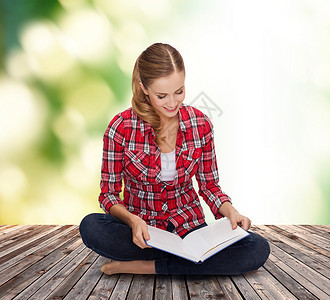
157 146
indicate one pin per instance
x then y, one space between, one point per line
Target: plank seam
297 257
69 290
291 278
280 281
239 291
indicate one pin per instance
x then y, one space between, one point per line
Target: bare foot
130 267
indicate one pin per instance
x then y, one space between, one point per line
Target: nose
171 102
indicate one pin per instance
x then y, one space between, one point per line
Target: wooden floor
50 262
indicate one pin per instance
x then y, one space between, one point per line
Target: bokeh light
44 47
88 35
22 116
66 70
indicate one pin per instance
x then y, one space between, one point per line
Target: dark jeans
111 238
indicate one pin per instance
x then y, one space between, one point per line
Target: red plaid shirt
130 153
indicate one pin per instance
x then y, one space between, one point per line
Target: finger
245 224
233 223
139 241
143 244
249 224
147 246
142 241
146 234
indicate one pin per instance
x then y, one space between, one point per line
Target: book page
211 236
169 242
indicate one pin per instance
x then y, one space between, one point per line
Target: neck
169 121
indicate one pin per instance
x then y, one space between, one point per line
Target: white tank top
168 166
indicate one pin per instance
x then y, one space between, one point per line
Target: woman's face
166 95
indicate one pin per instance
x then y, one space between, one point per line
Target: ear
143 88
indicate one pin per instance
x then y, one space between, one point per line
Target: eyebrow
166 93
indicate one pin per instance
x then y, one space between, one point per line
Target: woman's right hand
140 232
138 226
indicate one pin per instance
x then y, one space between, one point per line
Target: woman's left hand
237 219
227 210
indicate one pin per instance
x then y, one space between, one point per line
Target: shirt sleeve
207 173
112 164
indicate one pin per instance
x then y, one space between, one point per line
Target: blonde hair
158 60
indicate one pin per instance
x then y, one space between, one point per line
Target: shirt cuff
215 206
110 201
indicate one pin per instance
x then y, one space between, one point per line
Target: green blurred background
65 71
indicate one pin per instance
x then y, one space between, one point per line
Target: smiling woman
134 148
166 104
157 96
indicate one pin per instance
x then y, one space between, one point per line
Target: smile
173 109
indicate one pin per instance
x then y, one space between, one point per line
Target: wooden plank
11 236
179 288
244 287
25 263
142 287
22 240
318 234
295 269
15 285
12 258
311 275
40 234
122 287
266 286
303 239
15 237
163 287
44 285
8 273
229 288
69 281
5 227
104 288
322 230
325 228
324 238
301 252
204 287
319 294
297 241
320 241
292 285
87 282
11 228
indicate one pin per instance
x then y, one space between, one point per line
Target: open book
200 244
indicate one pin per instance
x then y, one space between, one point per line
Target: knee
87 222
261 251
87 227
